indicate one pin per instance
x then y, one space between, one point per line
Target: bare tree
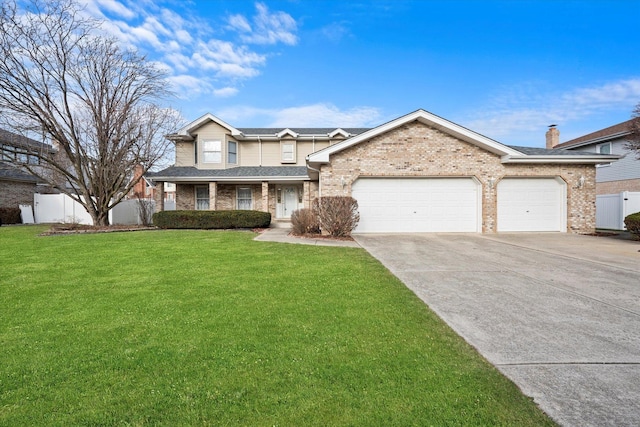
98 104
634 127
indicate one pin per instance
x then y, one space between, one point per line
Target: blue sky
505 69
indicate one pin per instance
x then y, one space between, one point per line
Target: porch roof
241 173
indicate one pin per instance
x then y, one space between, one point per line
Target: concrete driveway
558 314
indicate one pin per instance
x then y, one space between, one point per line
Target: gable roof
509 154
602 135
185 132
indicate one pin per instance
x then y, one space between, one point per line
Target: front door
289 200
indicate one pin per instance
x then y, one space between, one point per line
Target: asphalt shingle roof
239 172
8 172
602 133
534 151
302 131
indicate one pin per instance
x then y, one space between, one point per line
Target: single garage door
532 204
417 204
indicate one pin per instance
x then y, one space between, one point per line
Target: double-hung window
232 152
202 197
288 152
245 201
212 152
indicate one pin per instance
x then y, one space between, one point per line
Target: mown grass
213 328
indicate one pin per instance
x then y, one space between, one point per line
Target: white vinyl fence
60 208
611 209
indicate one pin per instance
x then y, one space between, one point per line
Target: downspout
319 186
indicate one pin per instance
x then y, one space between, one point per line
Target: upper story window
232 155
603 148
288 152
212 152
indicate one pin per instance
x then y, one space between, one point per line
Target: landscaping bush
338 215
212 219
10 216
632 222
304 221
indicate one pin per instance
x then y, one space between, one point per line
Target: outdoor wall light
343 182
492 182
581 181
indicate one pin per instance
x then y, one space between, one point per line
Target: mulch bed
60 229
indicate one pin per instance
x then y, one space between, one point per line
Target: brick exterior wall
417 150
13 193
615 187
226 197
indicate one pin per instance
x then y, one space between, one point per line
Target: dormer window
212 151
288 152
603 148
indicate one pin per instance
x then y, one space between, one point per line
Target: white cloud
225 92
516 113
184 41
268 27
314 115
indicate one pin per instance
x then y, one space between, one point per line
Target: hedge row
10 216
632 222
212 219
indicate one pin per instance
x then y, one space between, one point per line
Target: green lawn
212 328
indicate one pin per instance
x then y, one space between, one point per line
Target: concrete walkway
558 314
283 235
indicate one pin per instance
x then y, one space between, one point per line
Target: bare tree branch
633 143
97 104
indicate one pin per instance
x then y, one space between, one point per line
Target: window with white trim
232 152
202 197
212 152
288 152
244 198
603 148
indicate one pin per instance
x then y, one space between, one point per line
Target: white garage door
532 204
417 204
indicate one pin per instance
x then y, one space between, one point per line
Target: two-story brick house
418 172
17 185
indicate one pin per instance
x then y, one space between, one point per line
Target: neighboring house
417 173
17 186
611 178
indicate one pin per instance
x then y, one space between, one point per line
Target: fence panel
59 208
611 209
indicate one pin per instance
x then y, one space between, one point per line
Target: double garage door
454 204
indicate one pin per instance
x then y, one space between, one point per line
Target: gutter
582 159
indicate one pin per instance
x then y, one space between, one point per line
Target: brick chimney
553 137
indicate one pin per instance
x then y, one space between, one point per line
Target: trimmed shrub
338 215
212 219
304 221
632 222
10 216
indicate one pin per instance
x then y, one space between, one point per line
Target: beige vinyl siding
271 153
212 132
184 154
248 154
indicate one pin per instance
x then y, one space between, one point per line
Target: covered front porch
280 199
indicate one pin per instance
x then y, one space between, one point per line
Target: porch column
213 187
159 196
265 196
306 195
